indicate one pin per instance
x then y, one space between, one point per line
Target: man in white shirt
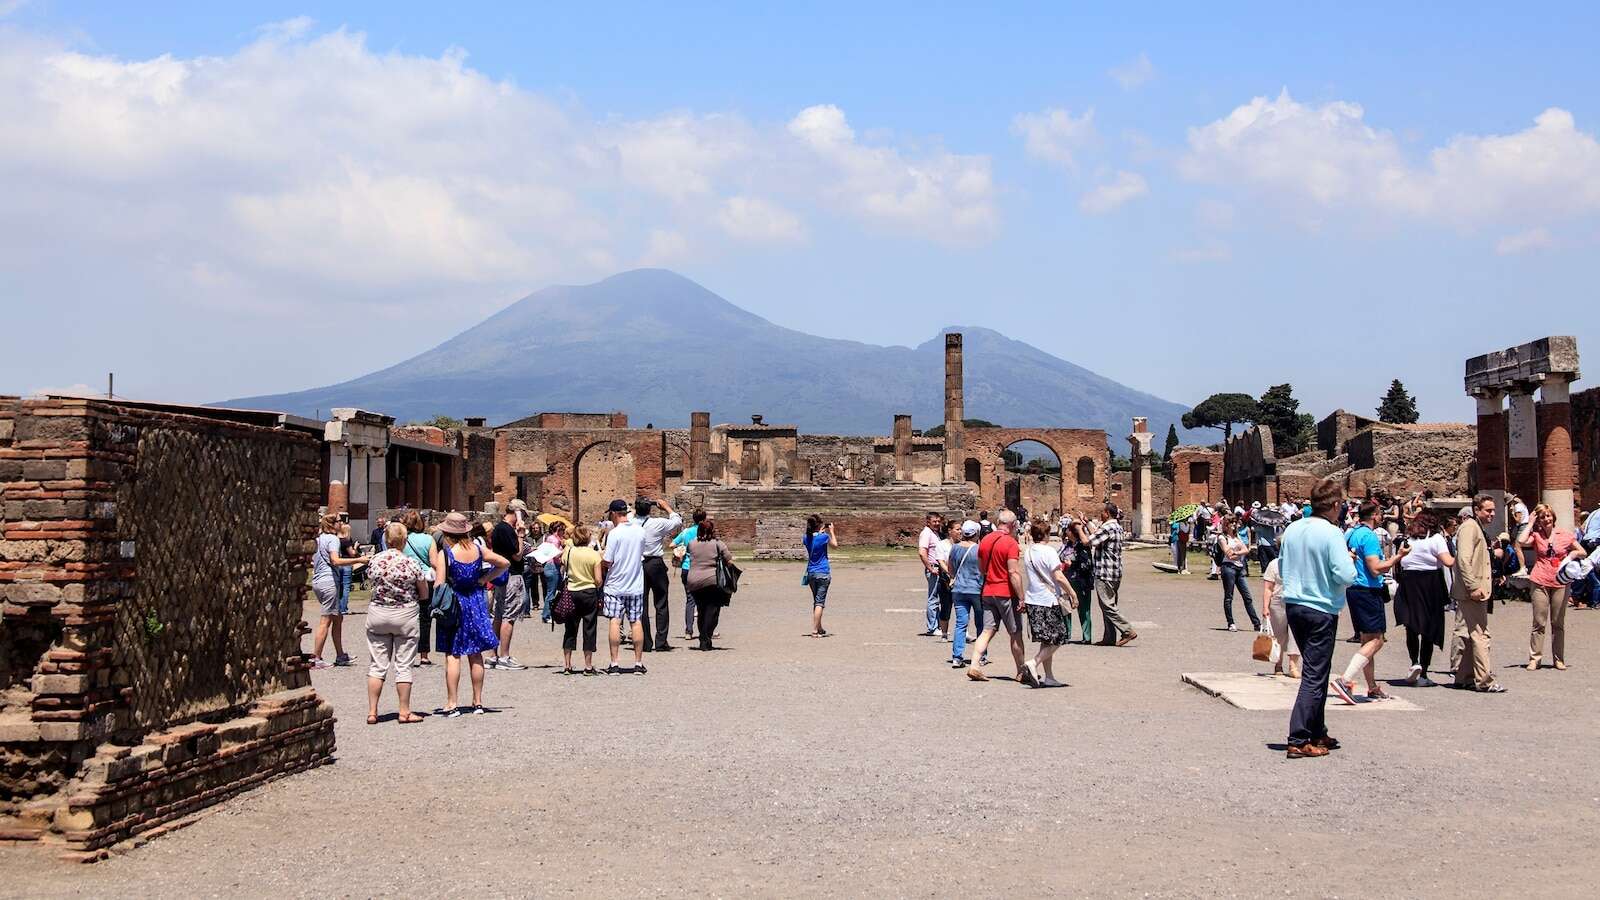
656 531
927 551
622 576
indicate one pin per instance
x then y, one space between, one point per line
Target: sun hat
455 523
970 528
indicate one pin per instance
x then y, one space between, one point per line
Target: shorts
1001 611
509 600
1366 608
1048 624
327 591
819 588
628 609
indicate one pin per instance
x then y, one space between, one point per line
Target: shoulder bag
727 574
565 608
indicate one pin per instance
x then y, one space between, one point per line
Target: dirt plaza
861 764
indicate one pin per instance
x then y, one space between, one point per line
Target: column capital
1487 393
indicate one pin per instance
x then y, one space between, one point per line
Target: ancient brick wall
1083 452
1196 475
1586 446
1403 458
863 515
153 569
552 466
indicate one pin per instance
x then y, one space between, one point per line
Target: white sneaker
492 662
1233 628
1050 681
510 662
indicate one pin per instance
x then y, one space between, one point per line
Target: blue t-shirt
817 554
683 539
968 571
1364 541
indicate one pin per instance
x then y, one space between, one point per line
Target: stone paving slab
1255 690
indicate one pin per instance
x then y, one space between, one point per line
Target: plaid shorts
628 609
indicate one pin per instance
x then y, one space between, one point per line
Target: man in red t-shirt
1001 561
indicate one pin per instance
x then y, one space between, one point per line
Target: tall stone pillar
902 448
1522 443
1139 451
1492 452
699 446
955 438
1557 472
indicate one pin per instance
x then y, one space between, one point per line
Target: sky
218 200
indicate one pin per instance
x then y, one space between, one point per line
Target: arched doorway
972 472
1032 478
1085 478
603 472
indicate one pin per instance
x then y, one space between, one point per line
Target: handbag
1264 647
727 574
565 609
444 606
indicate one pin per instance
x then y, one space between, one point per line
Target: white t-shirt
929 542
625 554
941 550
1271 574
1424 554
1041 564
322 560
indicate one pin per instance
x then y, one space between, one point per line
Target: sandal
409 719
372 720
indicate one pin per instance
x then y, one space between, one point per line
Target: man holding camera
657 529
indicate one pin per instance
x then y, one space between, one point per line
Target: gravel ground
861 764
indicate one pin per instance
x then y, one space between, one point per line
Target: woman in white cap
325 563
966 583
466 566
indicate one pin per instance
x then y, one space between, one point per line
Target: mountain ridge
657 345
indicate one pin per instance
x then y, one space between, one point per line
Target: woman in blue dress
467 566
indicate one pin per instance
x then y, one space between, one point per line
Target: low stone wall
152 571
862 515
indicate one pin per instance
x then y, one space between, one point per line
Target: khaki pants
1472 626
1115 623
1549 614
392 640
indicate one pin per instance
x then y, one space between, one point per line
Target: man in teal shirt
1316 568
682 540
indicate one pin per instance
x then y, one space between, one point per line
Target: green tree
1222 411
440 421
1172 443
1280 411
1398 407
938 430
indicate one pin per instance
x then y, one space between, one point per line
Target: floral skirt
1047 624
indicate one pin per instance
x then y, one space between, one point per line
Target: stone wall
153 569
863 515
1586 446
1196 475
1336 428
1400 459
1085 465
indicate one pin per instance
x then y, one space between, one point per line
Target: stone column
430 486
1139 448
1522 443
902 448
955 437
699 446
1492 453
1557 472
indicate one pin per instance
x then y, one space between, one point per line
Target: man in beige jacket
1471 588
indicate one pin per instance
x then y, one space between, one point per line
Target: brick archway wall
986 446
547 459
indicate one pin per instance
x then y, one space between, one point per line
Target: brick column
955 434
1139 450
430 486
414 485
902 448
1557 472
699 446
1492 452
1522 444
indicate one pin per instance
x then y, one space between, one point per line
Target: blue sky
254 197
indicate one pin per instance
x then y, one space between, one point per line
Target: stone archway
1033 477
603 471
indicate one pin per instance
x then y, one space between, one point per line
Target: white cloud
754 219
306 170
1318 158
937 194
1134 73
1113 194
1522 242
1055 135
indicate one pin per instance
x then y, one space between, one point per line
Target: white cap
1256 505
970 528
1238 510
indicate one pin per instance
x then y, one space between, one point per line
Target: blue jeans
933 600
1232 577
342 583
552 584
967 607
819 589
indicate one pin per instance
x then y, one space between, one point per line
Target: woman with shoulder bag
1420 603
581 563
1234 554
467 566
1047 592
1552 548
819 572
966 583
419 546
709 599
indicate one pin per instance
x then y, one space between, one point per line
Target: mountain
657 346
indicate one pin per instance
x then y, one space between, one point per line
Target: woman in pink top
1552 547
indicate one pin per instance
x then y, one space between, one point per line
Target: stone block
31 593
62 731
60 684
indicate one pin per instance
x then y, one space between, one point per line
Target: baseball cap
1256 504
618 506
970 528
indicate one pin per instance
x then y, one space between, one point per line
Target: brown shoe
1533 665
1127 638
1305 751
1326 742
1560 666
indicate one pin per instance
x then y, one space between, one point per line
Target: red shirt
1548 555
994 552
